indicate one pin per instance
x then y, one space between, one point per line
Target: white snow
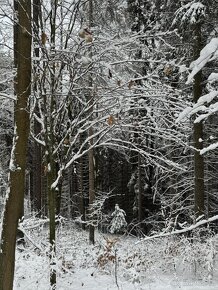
189 13
209 148
213 77
200 107
115 261
207 54
207 98
184 114
12 165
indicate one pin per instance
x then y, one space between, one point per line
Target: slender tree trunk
198 132
91 151
58 191
50 156
140 189
52 226
81 190
15 199
37 150
91 191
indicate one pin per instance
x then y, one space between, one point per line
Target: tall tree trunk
198 132
36 173
15 199
50 138
91 151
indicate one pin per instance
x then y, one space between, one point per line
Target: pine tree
118 223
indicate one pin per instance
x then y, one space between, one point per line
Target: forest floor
115 262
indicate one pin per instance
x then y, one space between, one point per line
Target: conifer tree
118 223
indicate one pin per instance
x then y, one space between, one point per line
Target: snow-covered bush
199 255
184 255
118 223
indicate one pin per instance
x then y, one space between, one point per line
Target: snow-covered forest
108 160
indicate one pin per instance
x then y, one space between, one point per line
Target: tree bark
51 176
91 150
15 199
198 132
140 214
52 226
91 192
82 191
36 173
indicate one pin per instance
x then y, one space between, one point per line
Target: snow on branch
200 107
209 148
184 114
190 13
208 53
7 96
184 230
204 111
213 77
37 246
208 98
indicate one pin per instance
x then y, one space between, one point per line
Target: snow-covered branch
182 231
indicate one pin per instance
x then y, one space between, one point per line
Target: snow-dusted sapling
118 223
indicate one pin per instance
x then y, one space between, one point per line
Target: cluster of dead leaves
86 35
108 255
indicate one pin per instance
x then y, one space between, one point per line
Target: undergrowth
180 257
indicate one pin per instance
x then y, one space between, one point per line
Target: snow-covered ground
116 262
